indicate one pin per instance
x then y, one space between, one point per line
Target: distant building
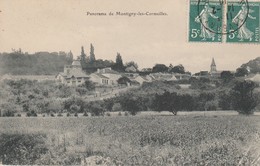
213 70
213 67
73 75
131 69
105 76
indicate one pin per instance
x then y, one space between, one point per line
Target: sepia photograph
130 83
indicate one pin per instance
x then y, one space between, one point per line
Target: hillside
254 65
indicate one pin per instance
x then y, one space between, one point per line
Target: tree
159 68
241 72
178 69
243 99
124 81
92 54
132 103
225 101
83 57
226 76
89 85
167 102
131 63
118 66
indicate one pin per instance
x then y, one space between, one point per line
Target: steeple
213 67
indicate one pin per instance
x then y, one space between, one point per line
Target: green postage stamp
230 21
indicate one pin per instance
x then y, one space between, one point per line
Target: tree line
39 63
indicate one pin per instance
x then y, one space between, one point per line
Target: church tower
213 67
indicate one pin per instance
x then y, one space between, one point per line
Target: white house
142 79
255 78
105 76
73 75
131 69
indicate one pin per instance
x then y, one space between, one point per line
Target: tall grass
145 140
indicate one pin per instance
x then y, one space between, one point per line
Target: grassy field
162 139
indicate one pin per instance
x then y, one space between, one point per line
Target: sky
63 25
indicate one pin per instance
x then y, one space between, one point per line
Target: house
72 75
141 79
256 79
105 76
131 69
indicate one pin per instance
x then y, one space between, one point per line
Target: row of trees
39 63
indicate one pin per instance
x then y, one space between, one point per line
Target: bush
68 114
31 114
133 104
96 109
85 114
8 114
59 114
76 114
108 114
22 149
116 107
119 114
243 98
18 115
74 104
211 105
8 109
126 113
52 115
225 101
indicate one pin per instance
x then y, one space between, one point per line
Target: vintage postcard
118 83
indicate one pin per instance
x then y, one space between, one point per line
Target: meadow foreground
139 140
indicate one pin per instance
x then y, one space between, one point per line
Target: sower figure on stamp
239 19
203 18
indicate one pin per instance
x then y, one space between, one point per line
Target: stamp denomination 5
224 21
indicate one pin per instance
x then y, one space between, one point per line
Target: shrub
22 149
108 114
119 114
18 115
8 114
31 114
116 107
85 114
126 113
211 105
96 108
68 114
243 98
76 114
132 104
8 109
59 114
52 115
225 100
